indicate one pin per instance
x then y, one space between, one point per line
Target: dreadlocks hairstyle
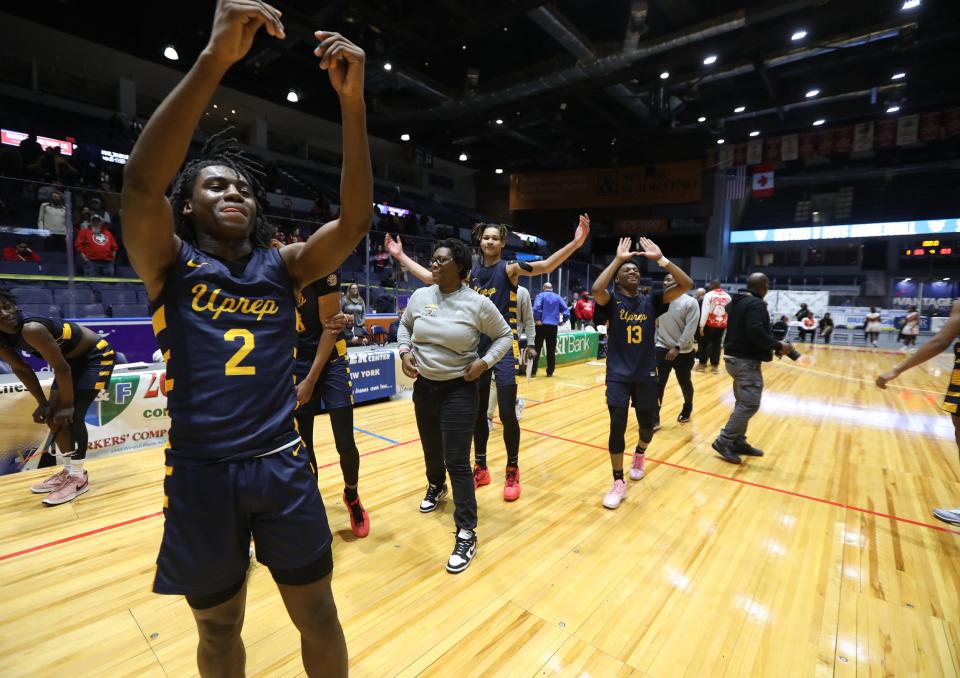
220 149
479 228
461 254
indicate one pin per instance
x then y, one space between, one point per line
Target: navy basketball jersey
494 283
309 325
228 341
631 334
67 334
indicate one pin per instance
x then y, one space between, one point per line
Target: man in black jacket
749 342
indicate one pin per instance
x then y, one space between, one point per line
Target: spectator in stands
96 207
30 152
583 310
97 249
826 328
82 220
781 327
352 304
55 167
22 252
801 314
356 335
808 328
111 201
395 326
53 215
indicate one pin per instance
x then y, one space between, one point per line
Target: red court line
107 528
565 395
761 486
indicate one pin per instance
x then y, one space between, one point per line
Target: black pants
446 411
808 333
547 333
682 365
826 336
507 406
711 344
341 421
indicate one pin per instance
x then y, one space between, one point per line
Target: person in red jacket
713 323
97 248
22 252
583 310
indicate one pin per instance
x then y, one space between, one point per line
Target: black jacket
748 329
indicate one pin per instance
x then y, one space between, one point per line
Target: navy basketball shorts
92 370
505 371
334 387
212 510
645 394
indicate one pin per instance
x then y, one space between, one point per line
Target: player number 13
233 367
634 334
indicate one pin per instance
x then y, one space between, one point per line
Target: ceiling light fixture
720 141
710 60
665 75
463 157
388 66
702 118
499 121
812 93
292 97
404 137
817 123
739 109
170 52
910 4
755 133
498 171
798 34
893 108
900 75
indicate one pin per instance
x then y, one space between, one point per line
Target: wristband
662 262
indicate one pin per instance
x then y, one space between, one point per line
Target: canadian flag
763 181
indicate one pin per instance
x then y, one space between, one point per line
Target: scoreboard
938 247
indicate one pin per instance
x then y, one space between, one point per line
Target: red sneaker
359 519
511 484
481 476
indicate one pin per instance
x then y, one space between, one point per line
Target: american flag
736 183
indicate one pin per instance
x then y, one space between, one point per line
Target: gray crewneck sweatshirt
443 331
677 326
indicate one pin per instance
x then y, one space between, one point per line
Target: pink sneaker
51 483
71 488
636 468
511 484
616 494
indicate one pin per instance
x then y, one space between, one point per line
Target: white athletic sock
76 467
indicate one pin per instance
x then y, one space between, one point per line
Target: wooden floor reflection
820 558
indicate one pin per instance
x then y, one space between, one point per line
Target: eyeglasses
440 261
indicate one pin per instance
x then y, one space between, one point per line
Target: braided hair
223 150
502 230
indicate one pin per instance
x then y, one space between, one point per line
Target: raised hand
625 250
235 24
393 247
344 62
650 249
583 230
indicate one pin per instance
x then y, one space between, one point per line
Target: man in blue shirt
549 310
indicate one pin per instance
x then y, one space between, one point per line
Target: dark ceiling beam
680 12
768 85
636 24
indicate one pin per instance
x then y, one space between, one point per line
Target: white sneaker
616 494
489 424
464 549
948 515
636 468
521 404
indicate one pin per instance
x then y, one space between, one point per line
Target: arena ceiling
524 84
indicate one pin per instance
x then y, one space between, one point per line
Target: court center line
820 500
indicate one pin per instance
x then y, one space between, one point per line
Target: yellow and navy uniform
494 283
234 462
631 348
89 371
334 387
951 403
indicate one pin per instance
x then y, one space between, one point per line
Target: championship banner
130 414
634 226
662 184
573 347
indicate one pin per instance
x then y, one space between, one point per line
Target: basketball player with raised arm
224 311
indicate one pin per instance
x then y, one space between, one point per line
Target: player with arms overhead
224 306
497 279
632 352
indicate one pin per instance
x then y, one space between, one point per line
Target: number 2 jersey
631 336
228 339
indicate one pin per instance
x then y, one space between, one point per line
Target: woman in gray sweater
438 338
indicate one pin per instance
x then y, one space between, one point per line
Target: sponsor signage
840 232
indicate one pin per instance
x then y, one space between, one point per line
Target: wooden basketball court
820 558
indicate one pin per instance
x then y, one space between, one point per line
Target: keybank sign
573 347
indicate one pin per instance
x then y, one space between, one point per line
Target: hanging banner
908 128
842 140
724 157
808 145
755 152
633 226
886 133
951 122
825 142
661 184
772 149
740 154
863 137
789 148
930 126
